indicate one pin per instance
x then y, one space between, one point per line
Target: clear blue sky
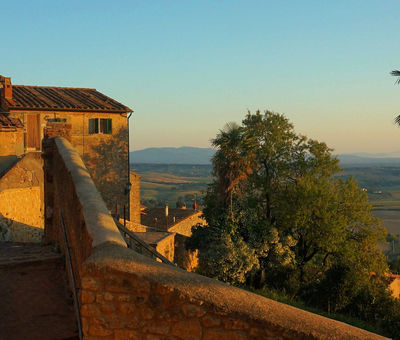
188 67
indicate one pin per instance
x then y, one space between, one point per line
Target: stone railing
124 295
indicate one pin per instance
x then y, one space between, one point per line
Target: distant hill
192 155
182 155
368 160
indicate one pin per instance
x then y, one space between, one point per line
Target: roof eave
18 108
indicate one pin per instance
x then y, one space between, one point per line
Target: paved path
35 300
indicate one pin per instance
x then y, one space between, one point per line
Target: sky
187 68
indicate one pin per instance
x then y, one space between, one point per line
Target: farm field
383 188
168 183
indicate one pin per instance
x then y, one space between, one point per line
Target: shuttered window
93 126
100 125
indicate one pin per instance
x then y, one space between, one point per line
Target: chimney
6 87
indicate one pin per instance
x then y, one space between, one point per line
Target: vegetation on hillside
279 219
169 183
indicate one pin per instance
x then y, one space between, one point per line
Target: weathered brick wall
124 295
21 201
57 129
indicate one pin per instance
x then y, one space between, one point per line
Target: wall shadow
14 231
108 166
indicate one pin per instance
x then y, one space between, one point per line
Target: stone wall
57 129
70 194
12 142
184 227
21 201
124 295
134 197
21 218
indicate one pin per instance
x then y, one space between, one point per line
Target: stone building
176 220
96 126
163 242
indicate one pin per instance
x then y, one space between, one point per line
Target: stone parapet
124 295
128 296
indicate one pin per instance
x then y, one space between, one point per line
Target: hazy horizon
394 153
187 68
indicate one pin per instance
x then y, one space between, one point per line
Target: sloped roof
62 99
153 237
7 122
155 217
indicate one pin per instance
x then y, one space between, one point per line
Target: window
100 125
93 125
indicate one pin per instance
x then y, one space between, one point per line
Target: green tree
275 199
229 163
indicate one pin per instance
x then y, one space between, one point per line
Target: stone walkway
35 300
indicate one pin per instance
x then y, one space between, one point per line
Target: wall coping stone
220 297
100 224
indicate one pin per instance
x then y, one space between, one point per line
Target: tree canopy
277 215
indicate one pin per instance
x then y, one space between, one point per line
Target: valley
169 183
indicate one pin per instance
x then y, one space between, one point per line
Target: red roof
62 99
9 122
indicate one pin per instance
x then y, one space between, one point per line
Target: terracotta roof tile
62 99
9 122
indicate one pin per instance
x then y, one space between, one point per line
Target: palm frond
396 73
397 120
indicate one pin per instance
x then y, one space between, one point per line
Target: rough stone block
90 310
153 337
90 283
85 325
123 297
210 320
127 335
161 327
98 330
230 323
108 296
126 308
163 290
107 309
190 329
191 311
146 313
86 297
170 315
211 334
